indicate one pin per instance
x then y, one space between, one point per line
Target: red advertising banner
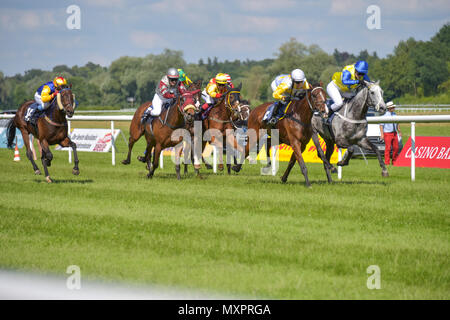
431 152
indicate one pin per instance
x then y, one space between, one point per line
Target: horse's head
66 100
233 102
375 96
187 105
196 87
318 98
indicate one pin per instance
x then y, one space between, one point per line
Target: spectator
390 133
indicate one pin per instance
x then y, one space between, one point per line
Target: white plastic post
113 148
339 167
214 159
274 160
70 148
161 159
413 151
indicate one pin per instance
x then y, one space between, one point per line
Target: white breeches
208 99
38 99
336 95
156 106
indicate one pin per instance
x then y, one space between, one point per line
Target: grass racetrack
243 235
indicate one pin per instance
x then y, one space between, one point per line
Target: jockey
285 87
165 93
43 96
214 90
344 83
184 78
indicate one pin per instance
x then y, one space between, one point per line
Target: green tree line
414 69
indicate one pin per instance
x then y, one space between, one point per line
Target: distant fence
423 107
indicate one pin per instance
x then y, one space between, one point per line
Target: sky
34 34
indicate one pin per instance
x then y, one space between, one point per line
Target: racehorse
158 133
137 128
294 128
226 114
349 126
50 129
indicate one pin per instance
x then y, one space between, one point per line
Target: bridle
314 99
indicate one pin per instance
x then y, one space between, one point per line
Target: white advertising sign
92 140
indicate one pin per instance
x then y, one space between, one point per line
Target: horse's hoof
141 158
75 172
48 179
149 176
220 167
125 161
236 168
208 166
385 174
37 172
333 170
283 179
340 164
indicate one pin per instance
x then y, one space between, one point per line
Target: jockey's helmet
182 75
362 67
297 75
59 81
173 74
221 78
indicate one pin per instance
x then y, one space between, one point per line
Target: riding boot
275 114
146 115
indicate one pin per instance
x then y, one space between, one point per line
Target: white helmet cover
297 75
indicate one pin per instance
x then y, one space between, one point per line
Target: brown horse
294 129
137 128
158 133
229 110
50 129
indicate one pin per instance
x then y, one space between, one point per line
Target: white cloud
236 45
266 5
147 40
13 19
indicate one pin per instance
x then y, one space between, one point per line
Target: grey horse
349 126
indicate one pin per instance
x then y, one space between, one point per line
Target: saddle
280 112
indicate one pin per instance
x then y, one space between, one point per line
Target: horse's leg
69 143
247 149
330 149
131 142
155 163
365 143
347 156
46 159
177 152
26 141
297 146
289 168
326 164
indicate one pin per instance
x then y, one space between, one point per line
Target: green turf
245 235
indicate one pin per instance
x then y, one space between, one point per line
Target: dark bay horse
137 129
158 133
349 126
49 130
226 113
294 129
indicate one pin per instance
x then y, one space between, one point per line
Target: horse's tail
11 133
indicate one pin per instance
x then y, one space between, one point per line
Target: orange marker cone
16 154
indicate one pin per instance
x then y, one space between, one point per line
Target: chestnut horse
229 110
137 129
158 133
294 129
50 129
